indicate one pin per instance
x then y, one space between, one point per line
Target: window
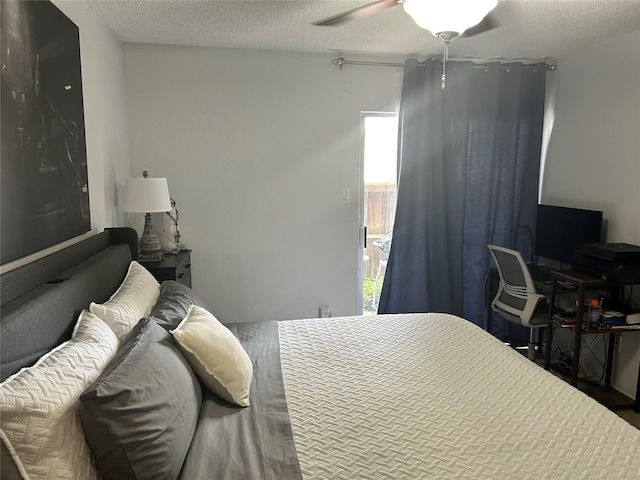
380 145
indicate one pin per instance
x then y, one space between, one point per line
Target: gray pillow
139 416
173 303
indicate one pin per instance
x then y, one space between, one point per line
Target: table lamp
147 195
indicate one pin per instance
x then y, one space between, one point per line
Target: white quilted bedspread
432 396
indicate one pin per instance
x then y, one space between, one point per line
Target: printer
615 262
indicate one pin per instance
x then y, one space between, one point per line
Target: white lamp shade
448 15
146 195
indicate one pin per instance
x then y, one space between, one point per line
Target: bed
151 396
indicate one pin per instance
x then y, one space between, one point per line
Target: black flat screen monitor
560 231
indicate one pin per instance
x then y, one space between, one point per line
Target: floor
616 402
631 417
612 399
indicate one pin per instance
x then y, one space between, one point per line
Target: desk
584 283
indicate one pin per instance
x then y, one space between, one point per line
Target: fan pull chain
444 65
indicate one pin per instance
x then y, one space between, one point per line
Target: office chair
517 299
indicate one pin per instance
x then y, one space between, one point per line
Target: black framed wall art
43 163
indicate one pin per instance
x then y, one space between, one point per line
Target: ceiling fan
446 19
456 17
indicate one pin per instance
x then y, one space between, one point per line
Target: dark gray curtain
469 161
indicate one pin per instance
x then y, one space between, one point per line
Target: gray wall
257 146
593 156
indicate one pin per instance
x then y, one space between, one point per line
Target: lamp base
149 243
151 257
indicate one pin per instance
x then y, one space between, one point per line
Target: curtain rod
340 61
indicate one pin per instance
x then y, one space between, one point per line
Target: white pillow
133 300
215 355
39 417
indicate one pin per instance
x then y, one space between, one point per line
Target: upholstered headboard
41 301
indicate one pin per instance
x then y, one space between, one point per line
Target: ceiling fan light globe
448 15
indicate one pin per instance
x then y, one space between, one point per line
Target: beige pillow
39 417
215 355
133 300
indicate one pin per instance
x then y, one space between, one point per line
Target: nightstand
172 267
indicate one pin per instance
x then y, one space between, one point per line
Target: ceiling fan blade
357 12
487 23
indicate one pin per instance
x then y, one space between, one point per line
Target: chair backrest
517 298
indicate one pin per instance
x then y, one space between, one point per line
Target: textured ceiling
530 29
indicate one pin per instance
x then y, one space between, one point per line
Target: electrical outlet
324 311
